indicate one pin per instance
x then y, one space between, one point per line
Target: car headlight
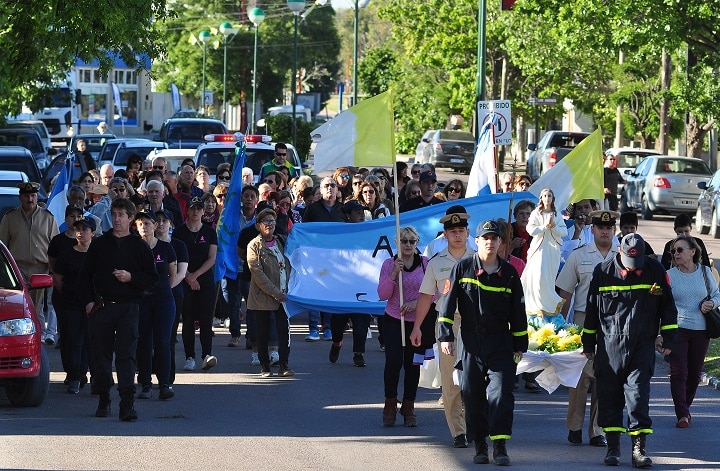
15 327
41 163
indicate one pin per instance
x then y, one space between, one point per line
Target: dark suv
29 139
188 133
20 159
452 149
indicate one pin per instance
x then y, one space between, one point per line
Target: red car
24 367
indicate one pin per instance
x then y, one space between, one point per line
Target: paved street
326 417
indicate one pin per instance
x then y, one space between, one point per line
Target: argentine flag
58 196
483 174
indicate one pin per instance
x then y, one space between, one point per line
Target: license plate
687 202
457 161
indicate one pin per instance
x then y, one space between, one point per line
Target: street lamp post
358 4
257 16
296 6
229 32
204 38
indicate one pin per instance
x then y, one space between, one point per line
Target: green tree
41 40
280 128
378 70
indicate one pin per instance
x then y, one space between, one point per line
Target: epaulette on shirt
579 247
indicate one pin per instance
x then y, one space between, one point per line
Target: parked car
11 178
707 218
627 159
422 144
258 151
173 157
664 184
141 147
20 159
94 142
451 149
29 139
188 133
24 366
552 148
35 124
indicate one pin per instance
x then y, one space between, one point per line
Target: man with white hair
329 208
247 176
155 194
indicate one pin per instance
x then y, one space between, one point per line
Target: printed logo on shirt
159 259
445 269
202 239
586 262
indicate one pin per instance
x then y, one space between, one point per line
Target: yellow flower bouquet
556 351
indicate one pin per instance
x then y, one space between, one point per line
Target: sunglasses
268 222
225 177
345 177
119 190
408 241
220 196
678 250
452 189
381 176
329 185
158 167
368 192
281 154
524 184
415 172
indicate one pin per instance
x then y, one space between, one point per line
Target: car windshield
211 158
21 164
456 136
193 131
28 140
566 140
695 167
123 154
8 280
630 159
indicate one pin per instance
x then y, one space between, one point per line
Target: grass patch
712 359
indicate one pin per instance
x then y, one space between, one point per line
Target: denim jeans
153 352
232 296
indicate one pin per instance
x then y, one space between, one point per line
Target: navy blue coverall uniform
493 327
625 312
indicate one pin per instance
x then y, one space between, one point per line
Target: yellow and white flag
361 136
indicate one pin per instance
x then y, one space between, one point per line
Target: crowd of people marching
133 259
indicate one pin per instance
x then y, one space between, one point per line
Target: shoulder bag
712 317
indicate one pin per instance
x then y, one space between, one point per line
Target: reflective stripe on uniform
499 437
615 429
640 431
589 331
498 289
624 288
668 327
446 320
520 333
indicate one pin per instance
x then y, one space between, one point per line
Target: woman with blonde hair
412 265
341 177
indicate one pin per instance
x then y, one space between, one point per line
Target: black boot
481 452
612 457
500 455
127 401
639 458
103 408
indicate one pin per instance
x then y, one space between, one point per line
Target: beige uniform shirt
438 270
577 272
28 238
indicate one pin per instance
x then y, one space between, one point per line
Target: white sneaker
255 361
274 357
189 364
208 362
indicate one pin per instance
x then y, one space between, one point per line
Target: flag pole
396 200
510 207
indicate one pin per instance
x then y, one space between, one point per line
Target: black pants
282 325
173 334
360 324
397 358
198 306
114 329
73 328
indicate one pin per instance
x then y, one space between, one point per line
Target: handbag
712 317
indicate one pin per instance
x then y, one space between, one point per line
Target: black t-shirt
418 202
246 235
198 247
68 265
59 244
164 255
182 257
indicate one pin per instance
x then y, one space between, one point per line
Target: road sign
208 97
503 126
542 101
